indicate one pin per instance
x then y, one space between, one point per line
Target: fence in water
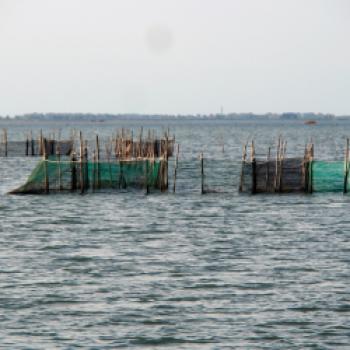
124 162
278 174
119 162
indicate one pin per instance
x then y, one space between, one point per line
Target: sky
174 56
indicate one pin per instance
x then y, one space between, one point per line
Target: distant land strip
134 116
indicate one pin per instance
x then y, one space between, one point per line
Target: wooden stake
98 162
46 174
73 172
253 160
32 143
82 185
176 165
346 166
244 156
58 154
202 173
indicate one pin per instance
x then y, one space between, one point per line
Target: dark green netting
328 176
68 175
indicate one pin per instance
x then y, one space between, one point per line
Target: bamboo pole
282 154
202 173
346 166
267 180
86 166
166 164
176 165
46 174
73 172
244 156
32 143
58 154
276 165
41 143
81 175
310 176
27 146
253 160
98 162
146 176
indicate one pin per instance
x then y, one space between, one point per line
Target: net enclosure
279 174
56 175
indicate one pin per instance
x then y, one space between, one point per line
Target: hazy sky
174 56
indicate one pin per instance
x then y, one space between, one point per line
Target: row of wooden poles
125 150
121 145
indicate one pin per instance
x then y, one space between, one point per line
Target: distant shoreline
239 117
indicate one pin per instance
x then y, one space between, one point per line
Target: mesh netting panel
53 175
328 176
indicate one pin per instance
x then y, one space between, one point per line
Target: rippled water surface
178 271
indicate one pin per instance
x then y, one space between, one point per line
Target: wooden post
146 176
58 155
73 172
244 156
282 154
176 165
253 160
276 165
32 143
41 143
46 172
267 169
346 166
98 162
27 146
166 164
81 177
310 176
202 173
86 166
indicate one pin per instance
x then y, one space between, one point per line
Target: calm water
183 271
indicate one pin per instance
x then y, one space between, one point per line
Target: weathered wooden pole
46 170
167 163
98 162
32 143
310 176
81 175
58 155
73 172
146 176
202 172
283 151
86 166
27 146
277 164
253 161
267 180
41 143
176 165
244 157
346 166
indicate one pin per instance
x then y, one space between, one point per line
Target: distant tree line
131 116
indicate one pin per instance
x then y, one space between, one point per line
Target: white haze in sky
174 56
